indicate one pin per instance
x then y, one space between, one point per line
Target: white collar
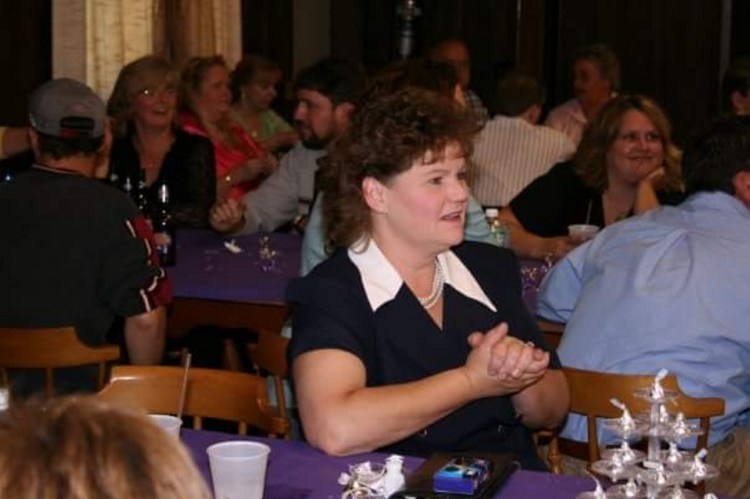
382 282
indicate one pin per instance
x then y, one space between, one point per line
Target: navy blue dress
400 343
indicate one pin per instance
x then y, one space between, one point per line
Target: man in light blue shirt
670 289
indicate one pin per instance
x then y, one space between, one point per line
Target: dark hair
516 93
387 135
339 80
246 70
437 76
605 58
713 158
600 134
192 76
59 148
134 77
736 79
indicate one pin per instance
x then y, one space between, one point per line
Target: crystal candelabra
658 473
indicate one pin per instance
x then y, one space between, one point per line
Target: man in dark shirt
76 252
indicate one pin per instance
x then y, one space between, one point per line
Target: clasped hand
499 364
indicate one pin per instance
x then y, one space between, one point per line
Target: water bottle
4 399
127 187
164 230
499 230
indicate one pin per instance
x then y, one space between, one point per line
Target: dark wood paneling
25 55
668 50
268 30
368 30
740 40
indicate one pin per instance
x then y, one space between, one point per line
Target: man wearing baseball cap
76 252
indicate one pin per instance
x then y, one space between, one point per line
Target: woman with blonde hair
149 145
83 448
625 165
241 162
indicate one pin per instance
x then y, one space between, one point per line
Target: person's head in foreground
83 448
719 160
629 141
400 170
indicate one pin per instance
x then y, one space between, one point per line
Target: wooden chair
49 349
269 356
590 394
552 332
211 393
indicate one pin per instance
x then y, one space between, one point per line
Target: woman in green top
254 83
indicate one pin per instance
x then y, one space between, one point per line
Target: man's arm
561 287
145 336
313 244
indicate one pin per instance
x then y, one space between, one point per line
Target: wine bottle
164 231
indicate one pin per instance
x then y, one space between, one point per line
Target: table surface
296 470
206 269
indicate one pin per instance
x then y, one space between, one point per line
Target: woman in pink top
241 163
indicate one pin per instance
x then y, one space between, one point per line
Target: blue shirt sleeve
561 287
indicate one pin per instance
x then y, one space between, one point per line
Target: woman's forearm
545 403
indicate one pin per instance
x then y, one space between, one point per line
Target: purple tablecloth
296 470
206 269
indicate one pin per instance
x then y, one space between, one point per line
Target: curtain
93 39
203 28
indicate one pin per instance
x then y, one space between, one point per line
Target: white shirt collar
382 282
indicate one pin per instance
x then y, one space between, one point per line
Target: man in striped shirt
512 150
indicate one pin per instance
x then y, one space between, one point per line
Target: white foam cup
582 232
170 424
238 469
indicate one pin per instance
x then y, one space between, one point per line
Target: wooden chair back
49 349
211 393
591 391
552 332
269 355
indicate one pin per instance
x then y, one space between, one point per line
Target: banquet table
215 286
296 470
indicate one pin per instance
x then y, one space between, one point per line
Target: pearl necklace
438 281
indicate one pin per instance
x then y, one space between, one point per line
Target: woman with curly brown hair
408 339
625 165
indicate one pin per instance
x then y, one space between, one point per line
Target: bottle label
163 241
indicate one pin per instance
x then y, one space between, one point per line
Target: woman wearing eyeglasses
149 145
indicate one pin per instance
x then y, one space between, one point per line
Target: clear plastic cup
238 469
582 232
170 424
